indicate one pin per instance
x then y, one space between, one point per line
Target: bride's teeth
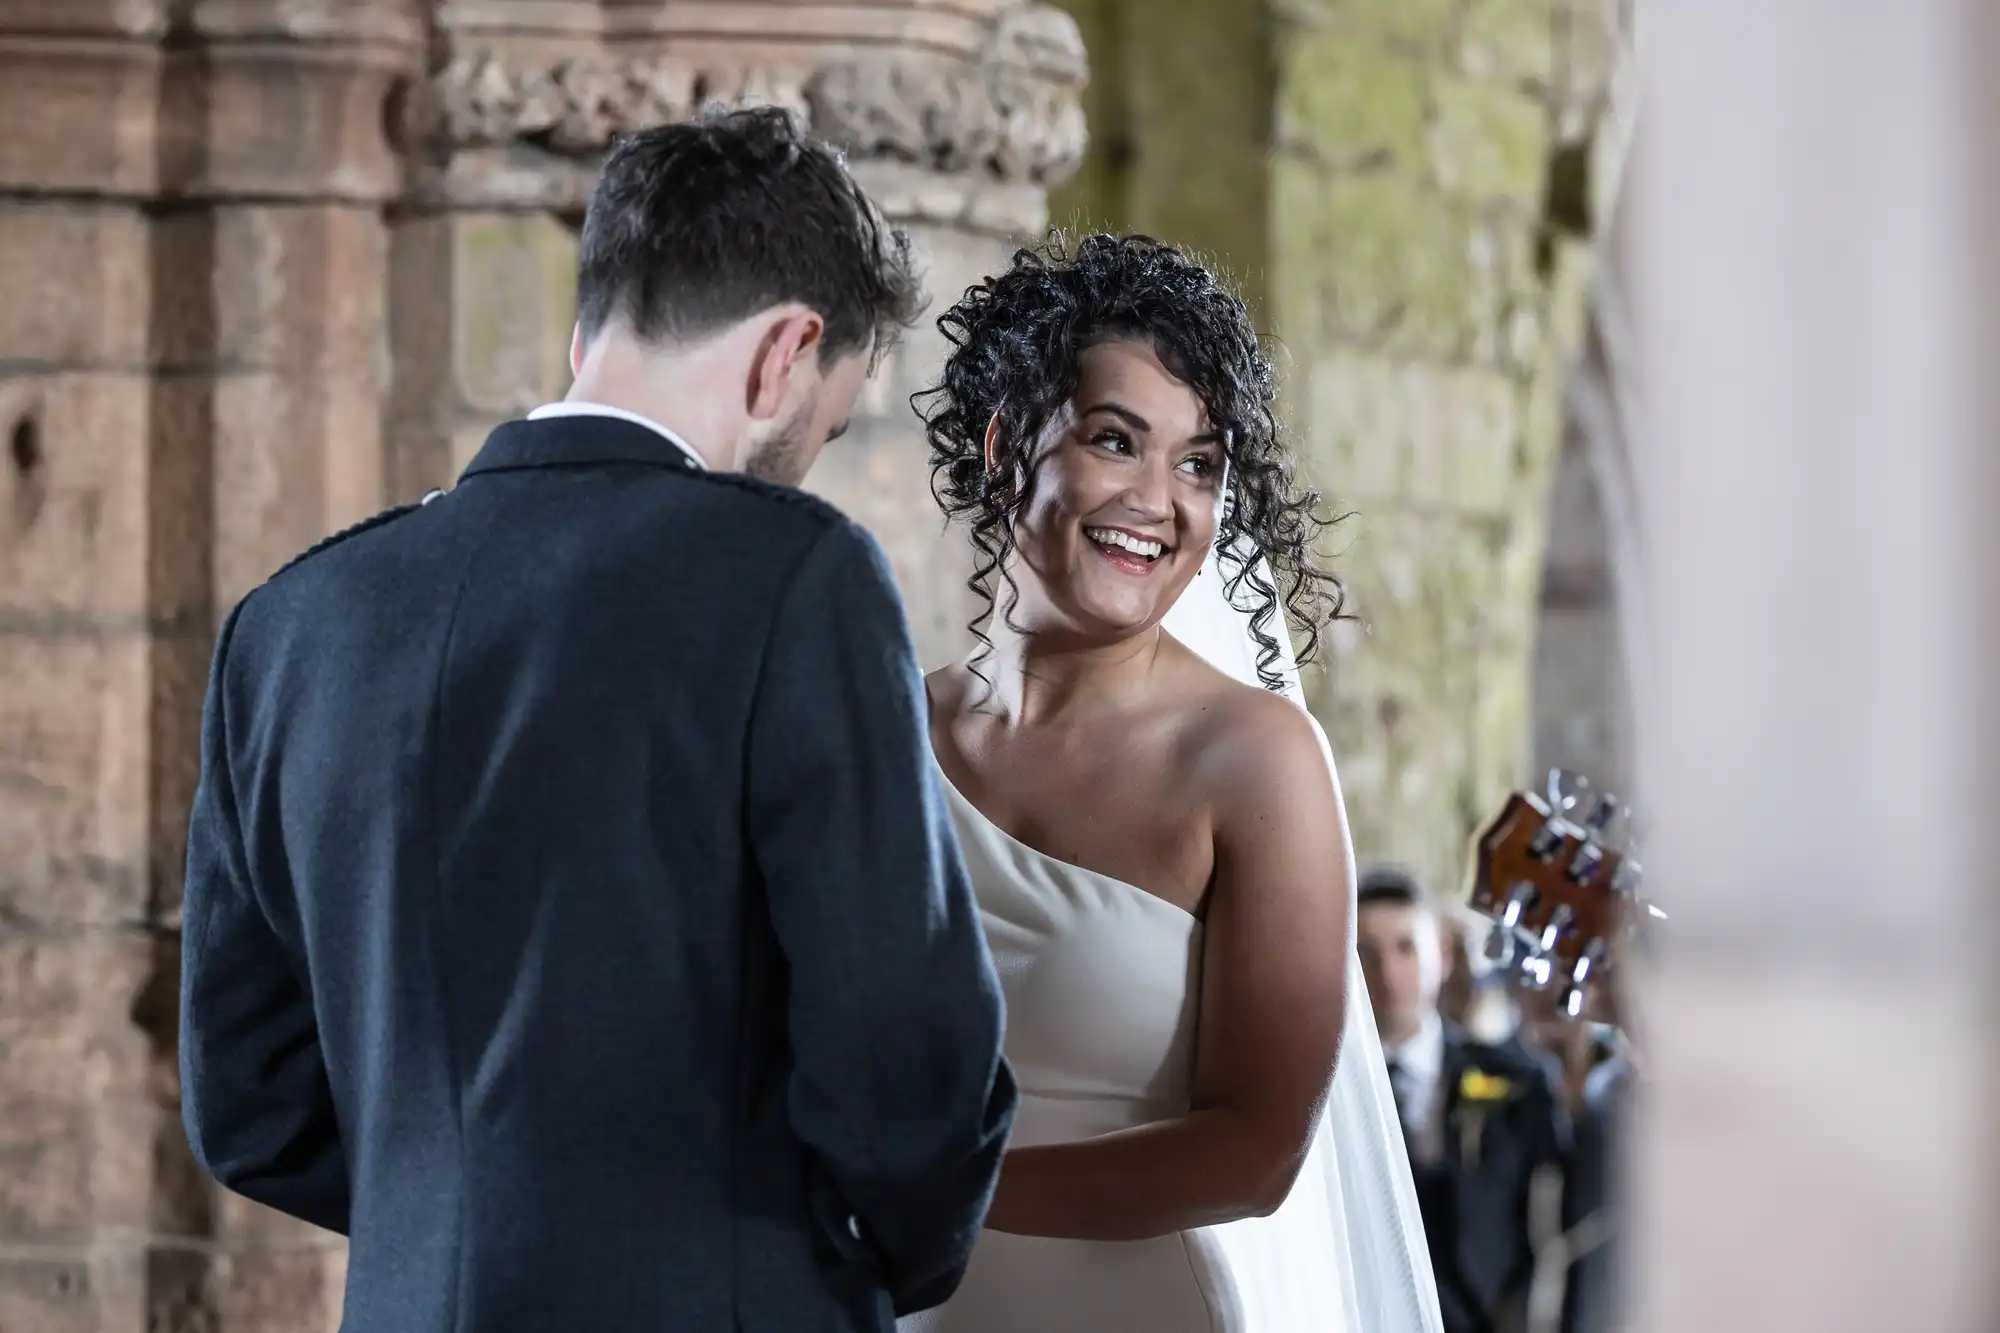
1136 545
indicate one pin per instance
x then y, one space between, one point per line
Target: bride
1153 826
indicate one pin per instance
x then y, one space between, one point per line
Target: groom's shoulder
823 550
819 530
346 534
784 504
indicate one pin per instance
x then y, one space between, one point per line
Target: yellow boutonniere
1480 1087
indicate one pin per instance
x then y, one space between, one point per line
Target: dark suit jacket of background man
1475 1196
1593 1199
572 914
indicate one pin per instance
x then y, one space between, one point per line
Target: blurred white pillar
1817 234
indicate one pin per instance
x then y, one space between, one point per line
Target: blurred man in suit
1593 1196
1595 1185
1482 1121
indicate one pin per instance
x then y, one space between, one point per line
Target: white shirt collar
582 409
1422 1056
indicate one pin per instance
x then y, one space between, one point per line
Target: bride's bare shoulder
945 688
1254 747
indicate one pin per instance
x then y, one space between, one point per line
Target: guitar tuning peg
1500 941
1584 866
1548 840
1565 789
1575 986
1560 921
1602 811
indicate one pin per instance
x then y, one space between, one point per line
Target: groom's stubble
789 454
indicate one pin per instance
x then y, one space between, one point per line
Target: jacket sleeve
898 1086
254 1091
1590 1216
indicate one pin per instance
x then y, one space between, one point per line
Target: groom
572 919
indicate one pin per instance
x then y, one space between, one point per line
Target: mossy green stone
1298 251
1489 143
1569 294
1350 103
1401 269
1509 41
1425 26
1354 414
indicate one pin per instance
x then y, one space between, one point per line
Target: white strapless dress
1102 981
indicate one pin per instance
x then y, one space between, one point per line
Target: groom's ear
576 349
791 339
992 442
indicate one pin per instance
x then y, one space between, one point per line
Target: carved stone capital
1013 115
489 130
572 108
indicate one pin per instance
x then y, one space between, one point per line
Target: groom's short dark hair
697 225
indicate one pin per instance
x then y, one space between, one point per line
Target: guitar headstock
1563 900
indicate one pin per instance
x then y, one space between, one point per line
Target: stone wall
195 252
1437 167
270 265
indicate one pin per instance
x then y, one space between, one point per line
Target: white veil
1346 1251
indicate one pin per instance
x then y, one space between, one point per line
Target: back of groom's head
695 226
736 287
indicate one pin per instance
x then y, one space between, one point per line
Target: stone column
189 364
80 626
1431 236
483 256
272 265
957 119
1816 301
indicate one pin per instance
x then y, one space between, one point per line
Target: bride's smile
1129 551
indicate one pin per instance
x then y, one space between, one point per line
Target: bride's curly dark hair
1015 342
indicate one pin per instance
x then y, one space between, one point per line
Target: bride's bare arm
1273 999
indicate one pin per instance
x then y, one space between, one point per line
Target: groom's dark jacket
572 916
